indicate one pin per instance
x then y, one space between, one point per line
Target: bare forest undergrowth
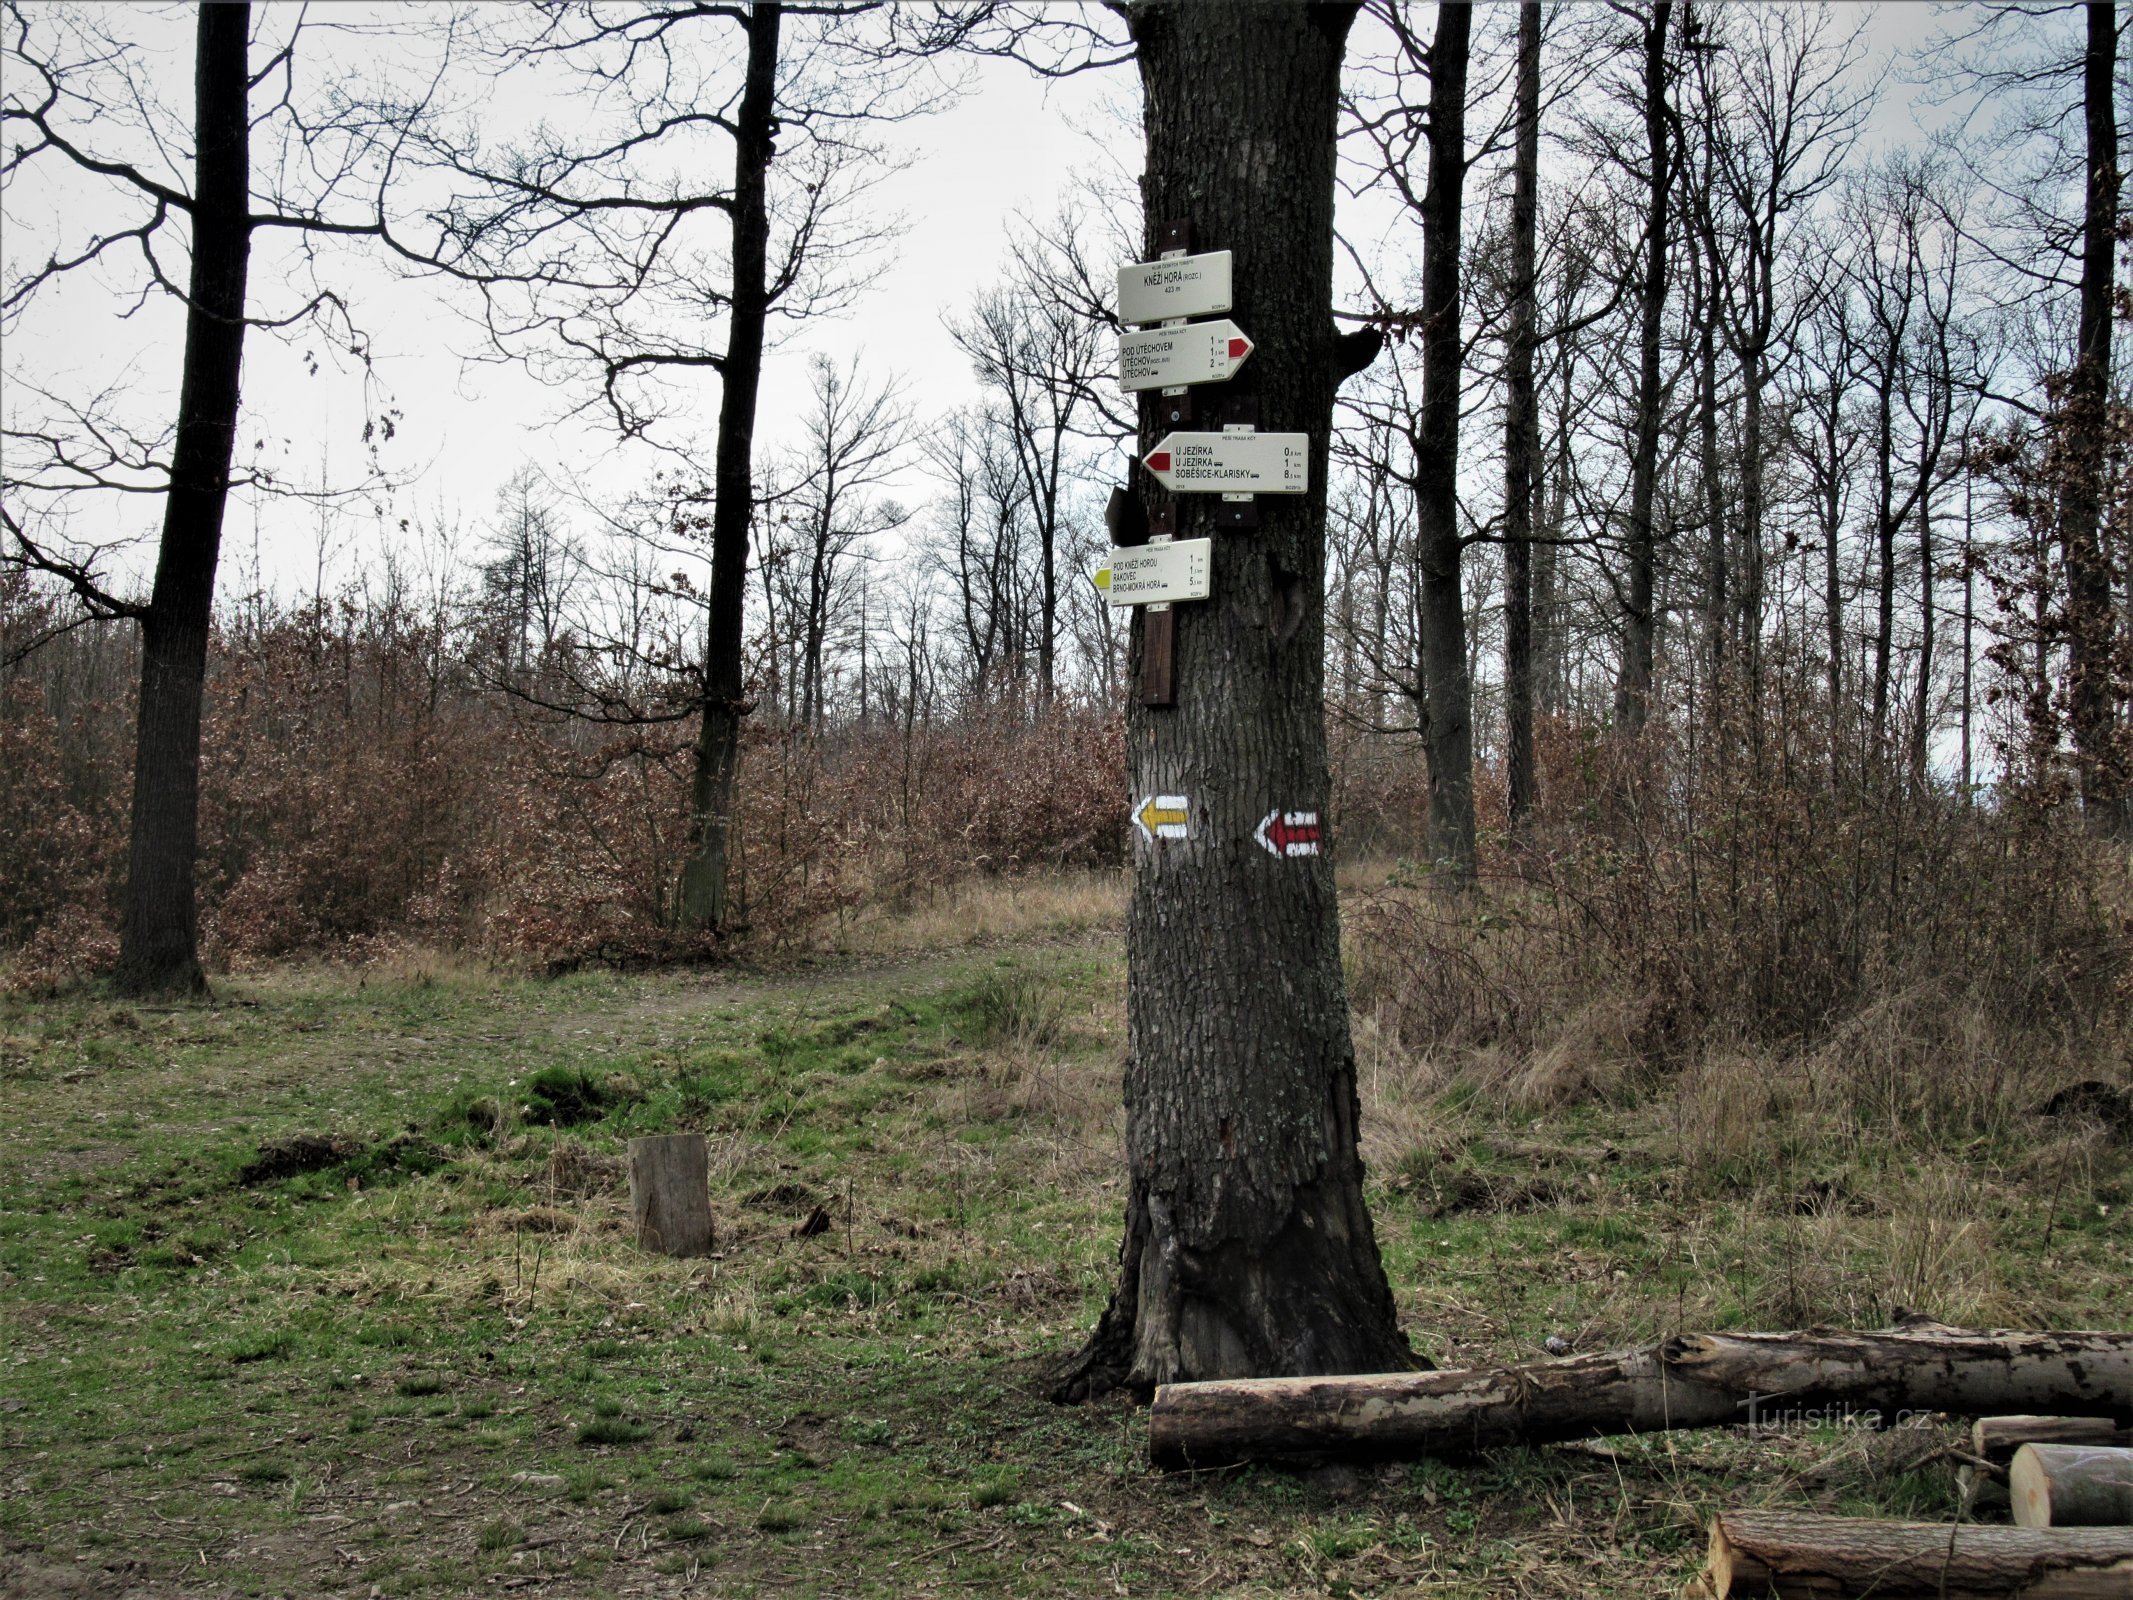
325 1287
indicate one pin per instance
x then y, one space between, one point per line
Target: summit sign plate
1178 286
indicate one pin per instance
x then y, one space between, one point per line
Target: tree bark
1521 427
1780 1555
1633 690
718 740
1247 1248
2071 1486
1704 1380
2093 697
159 929
1448 687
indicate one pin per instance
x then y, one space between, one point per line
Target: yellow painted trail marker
1163 816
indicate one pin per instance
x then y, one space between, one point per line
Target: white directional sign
1157 574
1232 463
1182 286
1166 358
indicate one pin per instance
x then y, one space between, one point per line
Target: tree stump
2071 1486
670 1194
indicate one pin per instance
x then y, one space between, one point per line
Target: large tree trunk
1448 685
718 741
2093 697
1248 1248
159 932
1633 688
1798 1555
1521 427
1705 1380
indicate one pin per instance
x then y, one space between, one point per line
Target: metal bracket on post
1172 410
1237 413
1159 624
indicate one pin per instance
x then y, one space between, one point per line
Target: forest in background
1728 618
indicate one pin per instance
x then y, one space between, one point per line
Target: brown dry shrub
1913 962
364 786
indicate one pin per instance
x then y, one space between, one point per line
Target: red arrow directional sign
1289 833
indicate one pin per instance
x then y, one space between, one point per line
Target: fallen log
1793 1555
2071 1486
1698 1380
1998 1438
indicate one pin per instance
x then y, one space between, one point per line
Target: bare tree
79 102
854 440
1042 363
1640 622
1775 110
1521 428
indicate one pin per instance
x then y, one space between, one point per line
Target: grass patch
859 1406
611 1430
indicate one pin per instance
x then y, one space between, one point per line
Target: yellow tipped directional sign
1232 463
1169 358
1178 286
1163 816
1157 574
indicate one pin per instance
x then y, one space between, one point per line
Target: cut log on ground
2071 1486
1701 1380
670 1194
1758 1555
1983 1490
1998 1438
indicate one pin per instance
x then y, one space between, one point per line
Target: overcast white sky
1012 145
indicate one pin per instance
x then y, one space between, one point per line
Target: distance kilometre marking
1157 574
1163 816
1179 286
1232 463
1163 358
1289 833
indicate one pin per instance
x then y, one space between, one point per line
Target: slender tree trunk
1832 422
1969 618
718 742
1922 696
1884 549
2093 697
1748 625
1551 643
1248 1248
1633 689
159 931
1521 426
1447 683
1713 476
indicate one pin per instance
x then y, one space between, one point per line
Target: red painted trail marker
1289 833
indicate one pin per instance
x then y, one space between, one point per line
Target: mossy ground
435 1364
